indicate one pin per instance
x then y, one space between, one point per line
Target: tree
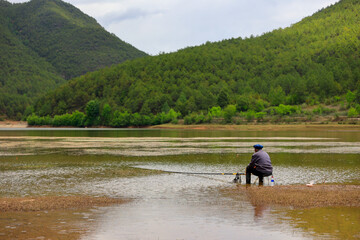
145 109
216 112
181 104
165 108
350 97
352 112
242 103
276 96
92 111
77 119
229 113
223 99
106 115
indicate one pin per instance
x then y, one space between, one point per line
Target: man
260 165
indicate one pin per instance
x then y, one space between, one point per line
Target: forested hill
44 43
315 59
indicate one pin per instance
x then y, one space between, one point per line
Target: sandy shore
301 196
247 127
263 127
25 204
13 124
296 196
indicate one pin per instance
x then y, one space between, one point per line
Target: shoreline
47 203
245 127
301 196
13 124
294 196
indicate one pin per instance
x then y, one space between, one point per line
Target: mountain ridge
44 43
314 60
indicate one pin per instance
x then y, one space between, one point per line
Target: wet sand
301 196
246 127
45 203
295 196
13 124
262 127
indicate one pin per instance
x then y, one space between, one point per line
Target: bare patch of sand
301 196
263 127
13 124
25 204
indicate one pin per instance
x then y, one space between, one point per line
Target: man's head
258 147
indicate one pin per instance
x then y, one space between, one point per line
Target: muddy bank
262 127
13 124
45 203
301 196
245 127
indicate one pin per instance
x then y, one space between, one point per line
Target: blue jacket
261 161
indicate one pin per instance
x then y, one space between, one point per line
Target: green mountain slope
23 74
317 58
45 42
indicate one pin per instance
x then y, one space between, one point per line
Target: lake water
37 162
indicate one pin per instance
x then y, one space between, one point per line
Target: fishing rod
202 173
236 179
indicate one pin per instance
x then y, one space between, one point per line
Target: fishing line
202 173
237 175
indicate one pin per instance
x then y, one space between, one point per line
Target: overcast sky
156 26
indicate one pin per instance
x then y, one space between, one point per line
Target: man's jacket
261 161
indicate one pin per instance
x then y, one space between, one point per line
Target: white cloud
168 25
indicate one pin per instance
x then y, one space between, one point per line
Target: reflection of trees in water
339 223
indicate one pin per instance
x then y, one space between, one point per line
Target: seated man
260 165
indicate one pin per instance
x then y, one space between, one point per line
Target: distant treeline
315 60
105 116
97 115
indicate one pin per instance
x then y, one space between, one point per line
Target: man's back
261 160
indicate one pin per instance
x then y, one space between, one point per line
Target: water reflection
174 206
325 223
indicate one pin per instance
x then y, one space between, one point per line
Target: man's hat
258 146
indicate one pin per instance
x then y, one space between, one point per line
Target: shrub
92 111
200 118
188 120
352 112
216 112
286 110
106 115
229 113
77 119
136 120
62 120
260 115
120 119
323 110
250 115
34 120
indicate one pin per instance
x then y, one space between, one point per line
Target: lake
38 162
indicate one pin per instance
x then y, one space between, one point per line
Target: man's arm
254 159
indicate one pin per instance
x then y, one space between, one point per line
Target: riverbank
261 127
245 127
294 196
46 203
301 196
13 124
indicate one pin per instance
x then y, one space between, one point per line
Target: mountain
46 42
317 59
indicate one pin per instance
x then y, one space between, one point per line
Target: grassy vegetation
282 114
